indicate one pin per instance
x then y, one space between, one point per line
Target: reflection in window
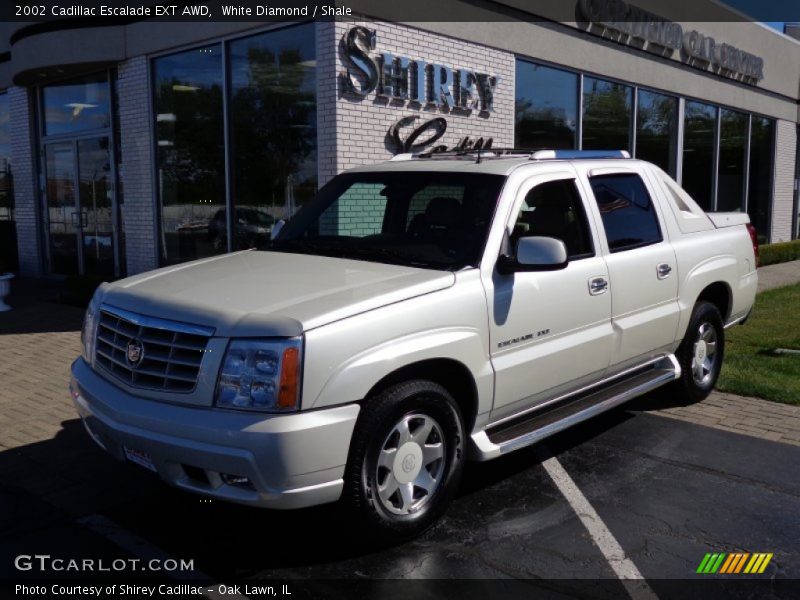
730 182
629 218
759 200
358 212
546 111
76 105
8 232
606 115
657 130
699 138
189 133
274 120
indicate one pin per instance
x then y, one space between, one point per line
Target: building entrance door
80 203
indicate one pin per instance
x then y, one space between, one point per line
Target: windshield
435 220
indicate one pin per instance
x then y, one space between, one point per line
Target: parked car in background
251 228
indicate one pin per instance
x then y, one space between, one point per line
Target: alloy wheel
411 463
704 354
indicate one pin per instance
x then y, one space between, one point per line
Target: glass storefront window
191 155
762 154
657 130
76 105
606 115
8 231
731 172
546 107
273 114
699 139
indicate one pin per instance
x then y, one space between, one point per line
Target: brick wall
326 42
785 150
25 194
136 166
362 124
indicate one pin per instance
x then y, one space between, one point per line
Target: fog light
237 480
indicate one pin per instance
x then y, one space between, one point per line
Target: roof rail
479 154
575 154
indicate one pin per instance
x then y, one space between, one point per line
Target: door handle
597 286
663 270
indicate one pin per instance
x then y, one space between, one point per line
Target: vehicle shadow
35 310
73 479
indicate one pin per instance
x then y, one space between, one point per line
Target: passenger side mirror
535 253
276 229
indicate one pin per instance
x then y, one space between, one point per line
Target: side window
628 215
554 209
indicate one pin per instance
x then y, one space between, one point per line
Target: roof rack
577 154
531 154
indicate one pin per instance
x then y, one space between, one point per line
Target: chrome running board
531 427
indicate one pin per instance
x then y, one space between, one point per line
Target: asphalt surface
668 491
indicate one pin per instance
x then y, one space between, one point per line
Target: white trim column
783 191
23 168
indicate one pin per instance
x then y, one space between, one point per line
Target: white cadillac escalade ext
415 314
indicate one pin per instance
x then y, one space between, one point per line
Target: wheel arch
451 374
720 295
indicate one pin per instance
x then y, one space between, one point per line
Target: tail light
754 238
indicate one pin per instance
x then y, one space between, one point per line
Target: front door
79 196
550 330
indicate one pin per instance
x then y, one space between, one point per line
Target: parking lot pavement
668 490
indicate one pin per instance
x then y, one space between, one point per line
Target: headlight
89 331
261 375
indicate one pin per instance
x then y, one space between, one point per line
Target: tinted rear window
627 210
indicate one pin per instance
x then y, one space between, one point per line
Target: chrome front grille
171 352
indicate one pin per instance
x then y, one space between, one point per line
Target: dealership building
125 146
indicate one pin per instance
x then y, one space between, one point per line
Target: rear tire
406 460
701 353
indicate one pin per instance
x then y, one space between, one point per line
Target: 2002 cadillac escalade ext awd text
415 314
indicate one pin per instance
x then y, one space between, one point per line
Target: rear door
550 331
643 278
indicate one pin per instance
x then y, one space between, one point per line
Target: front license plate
140 458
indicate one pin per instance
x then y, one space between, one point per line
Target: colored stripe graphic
731 560
734 563
703 563
711 563
741 562
758 563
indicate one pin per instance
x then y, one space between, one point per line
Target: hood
256 293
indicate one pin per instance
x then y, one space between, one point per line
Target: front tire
406 460
701 353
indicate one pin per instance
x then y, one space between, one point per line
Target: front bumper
291 461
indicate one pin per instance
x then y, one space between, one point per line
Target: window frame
536 180
224 42
656 212
682 99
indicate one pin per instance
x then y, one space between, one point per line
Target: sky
769 11
775 25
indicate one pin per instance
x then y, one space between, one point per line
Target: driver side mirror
535 253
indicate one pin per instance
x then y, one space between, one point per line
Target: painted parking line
629 575
145 551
